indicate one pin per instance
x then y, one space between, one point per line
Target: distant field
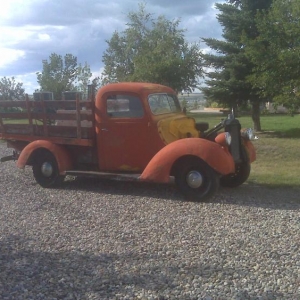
278 124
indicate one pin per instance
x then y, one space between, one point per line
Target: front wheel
196 180
45 169
241 174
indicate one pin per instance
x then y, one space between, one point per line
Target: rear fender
61 154
216 156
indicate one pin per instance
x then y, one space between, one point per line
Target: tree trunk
256 115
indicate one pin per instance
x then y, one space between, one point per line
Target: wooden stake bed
62 122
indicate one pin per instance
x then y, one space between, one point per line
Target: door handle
104 129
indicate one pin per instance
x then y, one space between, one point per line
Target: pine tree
227 82
276 54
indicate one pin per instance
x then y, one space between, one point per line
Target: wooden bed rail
63 121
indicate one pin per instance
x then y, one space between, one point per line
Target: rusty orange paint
250 150
56 140
130 142
61 154
159 168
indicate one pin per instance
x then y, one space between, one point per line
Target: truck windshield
163 104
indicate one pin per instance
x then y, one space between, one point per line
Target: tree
60 74
83 78
227 82
11 90
152 50
275 52
84 75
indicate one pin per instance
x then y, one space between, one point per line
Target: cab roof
135 87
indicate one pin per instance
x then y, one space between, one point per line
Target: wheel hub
194 179
47 169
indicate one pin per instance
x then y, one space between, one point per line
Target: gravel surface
95 239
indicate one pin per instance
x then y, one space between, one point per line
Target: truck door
124 142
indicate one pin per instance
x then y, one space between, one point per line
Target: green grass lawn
21 121
13 121
277 124
278 154
277 162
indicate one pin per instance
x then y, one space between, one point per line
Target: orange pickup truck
130 131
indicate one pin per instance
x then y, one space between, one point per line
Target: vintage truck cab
133 131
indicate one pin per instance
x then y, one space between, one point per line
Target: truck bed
63 122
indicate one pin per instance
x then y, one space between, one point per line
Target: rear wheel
241 174
196 180
45 169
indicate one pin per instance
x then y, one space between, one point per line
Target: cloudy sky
30 30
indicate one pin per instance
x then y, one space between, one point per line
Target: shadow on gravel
248 194
254 195
115 187
26 274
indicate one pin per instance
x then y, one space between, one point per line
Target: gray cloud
41 27
183 8
66 12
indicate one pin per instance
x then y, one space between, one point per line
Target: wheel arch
250 150
163 163
61 154
181 160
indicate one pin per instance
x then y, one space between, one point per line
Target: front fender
61 154
251 152
159 168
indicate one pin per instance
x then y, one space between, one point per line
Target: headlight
248 134
228 138
223 138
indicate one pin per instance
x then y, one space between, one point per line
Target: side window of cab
124 106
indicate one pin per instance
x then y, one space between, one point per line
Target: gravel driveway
95 239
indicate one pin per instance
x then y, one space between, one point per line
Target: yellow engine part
173 129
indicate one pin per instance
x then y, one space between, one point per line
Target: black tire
196 180
241 174
45 169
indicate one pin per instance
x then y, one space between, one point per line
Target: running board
113 176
